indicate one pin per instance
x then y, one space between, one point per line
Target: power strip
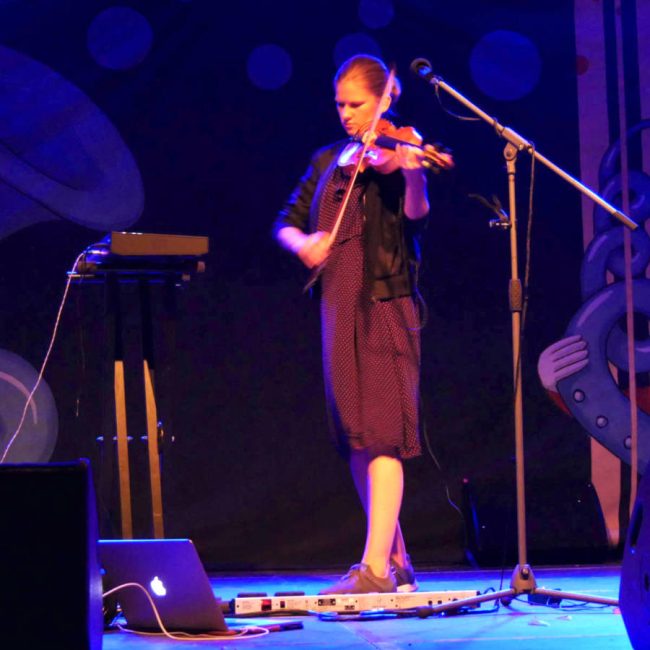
342 604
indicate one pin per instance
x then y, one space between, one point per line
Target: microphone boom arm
422 68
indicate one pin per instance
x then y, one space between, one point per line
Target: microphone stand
523 579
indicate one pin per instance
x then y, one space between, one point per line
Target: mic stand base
522 582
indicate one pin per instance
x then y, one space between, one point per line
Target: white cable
184 636
47 357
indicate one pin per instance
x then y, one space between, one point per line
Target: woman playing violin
365 247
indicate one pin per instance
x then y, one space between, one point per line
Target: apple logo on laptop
158 587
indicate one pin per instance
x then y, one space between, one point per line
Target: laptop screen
172 572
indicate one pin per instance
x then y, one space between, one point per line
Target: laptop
172 573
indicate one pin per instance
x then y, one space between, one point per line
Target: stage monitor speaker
50 585
634 594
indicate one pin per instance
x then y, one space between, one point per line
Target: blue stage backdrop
198 117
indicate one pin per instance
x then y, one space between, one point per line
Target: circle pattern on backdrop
505 65
119 38
376 13
37 437
269 67
582 64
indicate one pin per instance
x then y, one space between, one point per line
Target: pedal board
300 603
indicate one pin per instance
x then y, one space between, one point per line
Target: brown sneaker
361 580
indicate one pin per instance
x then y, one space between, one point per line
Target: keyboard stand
142 258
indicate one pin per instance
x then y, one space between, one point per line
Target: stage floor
572 624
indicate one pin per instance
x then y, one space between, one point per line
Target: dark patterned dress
371 348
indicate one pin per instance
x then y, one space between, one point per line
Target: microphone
422 68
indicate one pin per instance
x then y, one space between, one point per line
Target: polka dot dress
371 349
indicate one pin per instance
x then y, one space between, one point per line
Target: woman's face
355 104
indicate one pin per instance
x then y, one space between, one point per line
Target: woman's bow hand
314 249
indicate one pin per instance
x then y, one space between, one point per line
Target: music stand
523 579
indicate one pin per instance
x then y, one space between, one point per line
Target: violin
381 153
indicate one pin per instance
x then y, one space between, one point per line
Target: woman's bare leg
380 484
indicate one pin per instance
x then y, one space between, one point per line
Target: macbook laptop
172 573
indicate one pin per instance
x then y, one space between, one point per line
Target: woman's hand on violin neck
411 161
442 159
408 157
314 249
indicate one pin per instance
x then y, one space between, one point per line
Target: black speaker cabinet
50 586
635 573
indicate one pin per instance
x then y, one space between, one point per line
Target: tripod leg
567 595
504 595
